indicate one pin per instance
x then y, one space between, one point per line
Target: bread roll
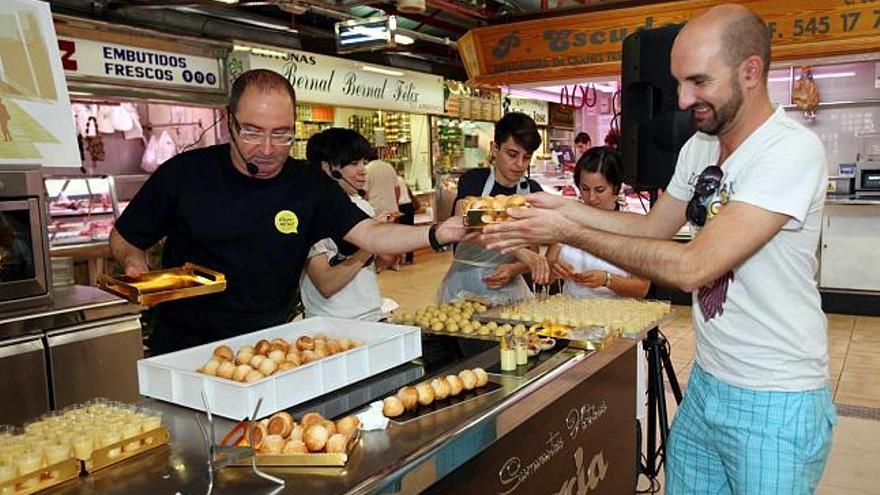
253 376
211 367
259 434
248 349
409 397
281 424
226 370
280 343
336 443
441 388
311 418
482 377
426 393
297 432
293 357
257 360
224 352
468 379
268 366
392 407
262 347
305 343
244 357
315 437
287 365
516 201
308 356
320 353
344 344
272 444
330 425
348 425
295 447
332 347
455 384
241 371
277 355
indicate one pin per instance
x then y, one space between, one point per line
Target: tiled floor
854 349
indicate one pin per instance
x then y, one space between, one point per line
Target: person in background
406 203
381 184
476 271
582 143
598 177
251 212
339 279
758 415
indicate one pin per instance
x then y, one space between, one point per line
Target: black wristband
432 239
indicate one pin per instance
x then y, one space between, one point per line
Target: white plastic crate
173 378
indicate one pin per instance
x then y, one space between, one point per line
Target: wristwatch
432 239
607 279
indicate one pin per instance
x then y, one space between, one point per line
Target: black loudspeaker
652 128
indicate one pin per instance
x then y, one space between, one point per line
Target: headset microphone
251 168
336 174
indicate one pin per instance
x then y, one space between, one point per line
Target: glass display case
82 210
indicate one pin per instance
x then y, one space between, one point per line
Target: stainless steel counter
71 305
405 458
851 200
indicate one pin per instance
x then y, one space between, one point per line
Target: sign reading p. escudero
97 59
583 443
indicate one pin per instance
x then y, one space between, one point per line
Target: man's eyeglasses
708 184
256 137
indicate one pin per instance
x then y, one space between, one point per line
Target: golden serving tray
48 477
159 286
126 449
474 219
305 460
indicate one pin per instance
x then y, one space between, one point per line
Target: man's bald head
740 34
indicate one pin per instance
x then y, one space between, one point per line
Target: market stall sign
345 83
143 66
582 443
589 44
538 110
33 93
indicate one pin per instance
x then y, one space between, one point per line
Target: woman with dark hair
598 177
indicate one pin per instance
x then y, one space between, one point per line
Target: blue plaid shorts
731 440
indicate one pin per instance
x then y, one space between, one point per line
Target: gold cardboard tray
475 219
48 477
126 449
159 286
305 460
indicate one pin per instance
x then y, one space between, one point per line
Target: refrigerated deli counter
566 419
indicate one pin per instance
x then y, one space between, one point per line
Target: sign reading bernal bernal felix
581 444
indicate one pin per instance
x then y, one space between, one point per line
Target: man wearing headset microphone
248 210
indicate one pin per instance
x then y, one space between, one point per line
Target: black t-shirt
255 231
471 184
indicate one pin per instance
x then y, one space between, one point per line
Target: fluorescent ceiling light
830 75
402 39
227 1
379 70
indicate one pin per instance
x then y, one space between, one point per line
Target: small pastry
344 344
262 347
320 353
308 356
392 407
257 360
226 370
224 352
248 349
311 418
287 365
336 443
455 384
330 425
259 434
315 437
482 204
426 393
280 343
241 371
295 447
321 336
293 357
468 379
277 355
253 376
272 444
243 357
320 344
487 218
297 432
305 343
211 367
348 425
356 343
332 347
441 388
516 201
268 366
482 377
281 424
409 397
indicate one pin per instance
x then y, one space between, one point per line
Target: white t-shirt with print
359 300
770 333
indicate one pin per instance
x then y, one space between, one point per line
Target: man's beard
724 114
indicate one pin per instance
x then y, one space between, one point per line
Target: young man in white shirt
757 416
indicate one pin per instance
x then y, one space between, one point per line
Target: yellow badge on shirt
286 222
